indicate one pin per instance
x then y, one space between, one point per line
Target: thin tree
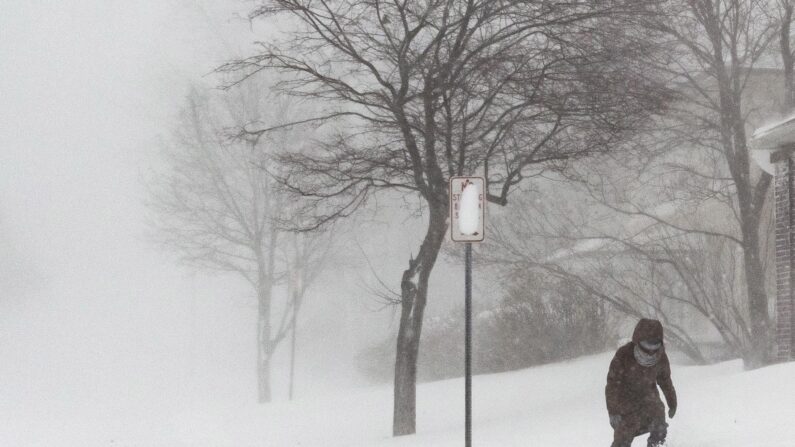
422 91
786 51
217 209
306 256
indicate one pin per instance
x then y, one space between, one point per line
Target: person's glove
671 412
615 419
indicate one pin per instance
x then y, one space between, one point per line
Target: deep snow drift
558 405
562 405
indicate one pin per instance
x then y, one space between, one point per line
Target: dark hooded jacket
631 387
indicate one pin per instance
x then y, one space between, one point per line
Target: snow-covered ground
558 405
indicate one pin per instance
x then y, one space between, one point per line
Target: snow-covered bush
539 320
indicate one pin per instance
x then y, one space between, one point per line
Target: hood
646 329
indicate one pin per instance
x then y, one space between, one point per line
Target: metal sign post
468 346
467 213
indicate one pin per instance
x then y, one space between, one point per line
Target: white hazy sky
87 88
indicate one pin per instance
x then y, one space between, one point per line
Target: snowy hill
558 405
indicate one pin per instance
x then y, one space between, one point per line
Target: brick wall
785 252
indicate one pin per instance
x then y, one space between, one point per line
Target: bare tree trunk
787 58
750 199
292 343
264 348
757 353
414 293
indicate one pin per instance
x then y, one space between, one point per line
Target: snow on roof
767 127
775 133
770 137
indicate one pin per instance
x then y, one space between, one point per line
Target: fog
93 314
108 337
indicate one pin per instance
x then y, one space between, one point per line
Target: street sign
467 219
467 209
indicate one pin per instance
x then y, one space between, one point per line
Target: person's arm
666 384
613 392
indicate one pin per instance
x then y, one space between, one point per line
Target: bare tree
423 91
717 46
676 236
635 264
306 257
219 210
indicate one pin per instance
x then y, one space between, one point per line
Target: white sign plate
457 185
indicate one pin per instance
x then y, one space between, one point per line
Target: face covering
645 358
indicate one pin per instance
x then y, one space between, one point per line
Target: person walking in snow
633 402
